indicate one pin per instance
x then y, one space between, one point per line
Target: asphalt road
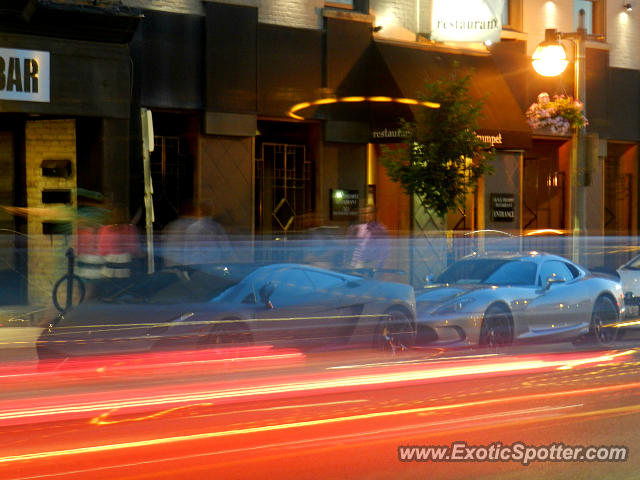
262 413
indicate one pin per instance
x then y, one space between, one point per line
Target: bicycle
70 278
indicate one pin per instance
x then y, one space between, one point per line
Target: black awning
399 73
502 122
368 100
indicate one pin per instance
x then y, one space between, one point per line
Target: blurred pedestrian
205 239
370 241
118 245
173 239
91 215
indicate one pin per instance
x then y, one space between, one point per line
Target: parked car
496 299
280 304
630 277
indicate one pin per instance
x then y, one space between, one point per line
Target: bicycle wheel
73 294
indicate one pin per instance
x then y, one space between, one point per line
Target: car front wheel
603 320
497 328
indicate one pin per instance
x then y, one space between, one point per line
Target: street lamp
550 59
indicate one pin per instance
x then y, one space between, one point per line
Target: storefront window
587 7
284 186
512 14
360 6
594 16
340 4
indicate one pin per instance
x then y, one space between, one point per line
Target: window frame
340 5
598 20
514 14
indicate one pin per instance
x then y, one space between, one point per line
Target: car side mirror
429 279
265 294
551 279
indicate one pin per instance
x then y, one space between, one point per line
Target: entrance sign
502 207
466 20
24 75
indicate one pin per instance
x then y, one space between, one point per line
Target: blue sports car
204 306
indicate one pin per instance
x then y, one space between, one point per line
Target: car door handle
184 316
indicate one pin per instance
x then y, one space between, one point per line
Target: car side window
556 269
323 281
290 285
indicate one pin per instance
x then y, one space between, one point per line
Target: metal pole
580 214
147 147
578 150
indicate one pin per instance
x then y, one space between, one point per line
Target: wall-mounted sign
502 207
493 140
385 133
344 204
466 20
24 75
391 134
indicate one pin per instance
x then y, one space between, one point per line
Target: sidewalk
19 331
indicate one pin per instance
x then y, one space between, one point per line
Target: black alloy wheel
396 331
497 328
603 320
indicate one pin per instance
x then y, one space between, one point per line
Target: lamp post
549 59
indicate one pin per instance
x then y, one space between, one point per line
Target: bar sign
24 75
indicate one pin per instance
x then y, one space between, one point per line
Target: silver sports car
281 304
500 299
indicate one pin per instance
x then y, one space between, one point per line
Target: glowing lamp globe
549 59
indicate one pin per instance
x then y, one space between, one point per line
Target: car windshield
490 271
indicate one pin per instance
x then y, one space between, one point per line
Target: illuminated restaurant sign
344 204
502 207
466 20
492 140
495 138
24 75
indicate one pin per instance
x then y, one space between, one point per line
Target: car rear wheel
396 331
497 328
226 333
603 321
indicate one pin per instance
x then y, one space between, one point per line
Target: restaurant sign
502 207
344 204
466 20
24 75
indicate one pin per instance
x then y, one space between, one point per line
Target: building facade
261 58
64 109
244 93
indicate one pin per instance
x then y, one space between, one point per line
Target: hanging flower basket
556 116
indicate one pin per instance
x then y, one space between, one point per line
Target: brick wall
193 7
397 14
541 14
623 36
292 13
47 140
623 28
